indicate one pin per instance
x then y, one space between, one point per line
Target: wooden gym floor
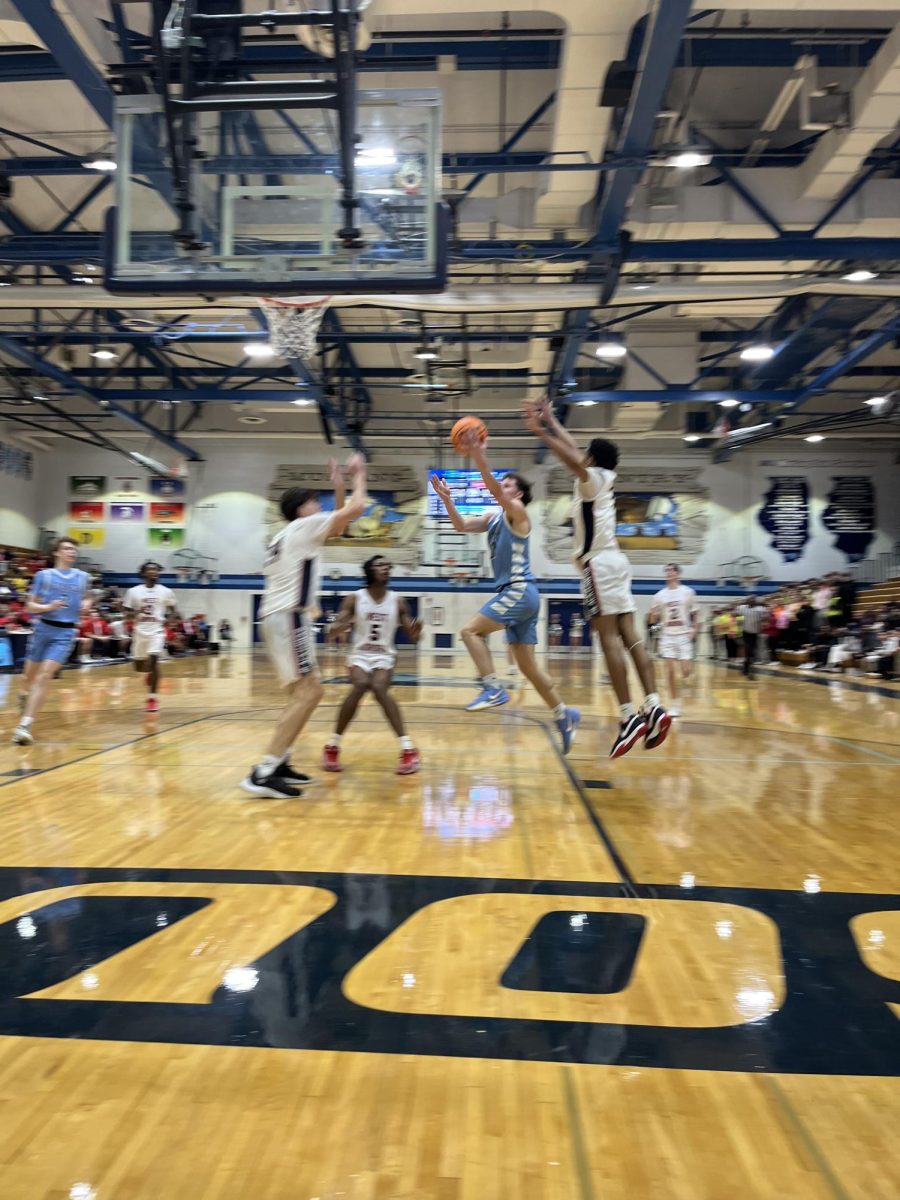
676 976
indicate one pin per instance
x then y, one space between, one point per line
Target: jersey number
376 625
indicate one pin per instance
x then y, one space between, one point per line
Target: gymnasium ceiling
798 107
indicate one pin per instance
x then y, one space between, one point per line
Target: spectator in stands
845 650
846 591
94 638
803 625
226 635
821 599
174 636
121 631
754 615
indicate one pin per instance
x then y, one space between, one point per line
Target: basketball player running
516 606
675 607
292 585
59 596
605 576
374 612
149 604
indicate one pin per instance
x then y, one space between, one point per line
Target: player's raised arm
542 422
459 523
356 505
513 507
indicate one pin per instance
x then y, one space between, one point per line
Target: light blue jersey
509 553
53 584
517 603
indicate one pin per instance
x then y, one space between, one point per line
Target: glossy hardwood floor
675 976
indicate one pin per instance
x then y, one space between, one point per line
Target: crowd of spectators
105 634
817 625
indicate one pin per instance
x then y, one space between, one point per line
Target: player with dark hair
605 575
292 585
59 595
516 606
149 603
374 612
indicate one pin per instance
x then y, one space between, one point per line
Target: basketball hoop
294 324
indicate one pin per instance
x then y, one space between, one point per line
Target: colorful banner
167 514
126 485
126 512
87 485
850 515
86 512
90 539
161 538
166 487
785 515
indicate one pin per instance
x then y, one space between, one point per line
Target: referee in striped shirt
755 614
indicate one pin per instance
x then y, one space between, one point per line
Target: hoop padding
294 324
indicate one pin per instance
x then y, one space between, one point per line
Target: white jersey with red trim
677 605
594 512
375 625
292 565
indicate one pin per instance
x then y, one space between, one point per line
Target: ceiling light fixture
376 156
104 354
685 159
611 345
258 350
729 403
875 401
861 275
759 352
302 402
586 403
426 354
815 437
101 162
691 437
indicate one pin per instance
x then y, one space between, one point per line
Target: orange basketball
462 427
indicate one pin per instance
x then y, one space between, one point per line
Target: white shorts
606 584
146 644
291 642
676 645
373 662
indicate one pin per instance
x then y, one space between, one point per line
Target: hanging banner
87 485
126 512
165 539
785 515
86 513
166 487
126 485
89 539
850 515
167 514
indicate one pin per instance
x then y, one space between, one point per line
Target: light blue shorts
516 607
50 642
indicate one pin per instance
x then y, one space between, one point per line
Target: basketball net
294 324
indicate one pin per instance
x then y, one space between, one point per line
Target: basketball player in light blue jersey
517 604
57 598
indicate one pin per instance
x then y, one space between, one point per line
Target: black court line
596 783
812 677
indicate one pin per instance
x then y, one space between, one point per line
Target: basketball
462 427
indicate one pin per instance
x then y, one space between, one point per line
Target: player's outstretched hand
356 463
471 444
334 472
440 487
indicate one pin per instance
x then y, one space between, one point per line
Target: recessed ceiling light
302 402
729 403
258 350
640 287
874 401
815 437
426 355
249 419
586 403
375 156
758 352
685 159
691 437
862 275
103 355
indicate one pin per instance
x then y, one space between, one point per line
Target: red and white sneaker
630 730
409 762
152 705
331 758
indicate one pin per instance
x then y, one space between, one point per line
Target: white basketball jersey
149 604
376 624
292 565
676 603
594 512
